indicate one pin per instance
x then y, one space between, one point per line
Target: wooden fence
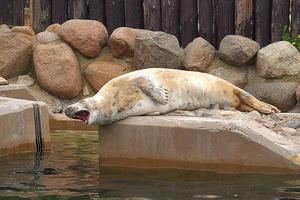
262 20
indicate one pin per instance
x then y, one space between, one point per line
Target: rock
280 94
278 59
23 29
25 80
298 93
234 75
293 123
57 69
4 28
86 91
237 50
198 55
157 49
54 28
122 39
45 38
15 53
87 36
100 72
3 81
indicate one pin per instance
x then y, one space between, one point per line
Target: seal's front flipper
156 92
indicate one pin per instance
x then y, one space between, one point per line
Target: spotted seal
156 91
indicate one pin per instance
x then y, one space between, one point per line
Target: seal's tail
254 103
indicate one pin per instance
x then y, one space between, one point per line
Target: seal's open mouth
82 115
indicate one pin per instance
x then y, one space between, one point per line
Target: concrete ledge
18 127
16 91
227 145
62 122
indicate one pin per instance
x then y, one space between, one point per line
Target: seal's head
83 110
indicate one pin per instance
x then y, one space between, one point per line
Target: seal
157 91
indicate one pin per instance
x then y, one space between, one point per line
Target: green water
71 171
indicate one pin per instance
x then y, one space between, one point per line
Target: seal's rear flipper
254 103
156 92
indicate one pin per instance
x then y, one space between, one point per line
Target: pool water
71 171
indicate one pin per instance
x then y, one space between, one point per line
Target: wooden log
59 11
170 16
206 20
188 21
77 9
134 13
295 17
263 21
41 15
244 18
280 18
115 14
96 10
225 19
152 15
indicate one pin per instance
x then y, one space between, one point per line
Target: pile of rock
75 59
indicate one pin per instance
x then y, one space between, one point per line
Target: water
71 171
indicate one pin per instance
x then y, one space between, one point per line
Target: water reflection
71 171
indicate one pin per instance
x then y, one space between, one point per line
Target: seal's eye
82 115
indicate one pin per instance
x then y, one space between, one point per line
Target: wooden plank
134 13
41 15
188 21
295 17
115 14
263 21
96 10
152 15
244 18
77 9
206 20
170 16
225 19
7 15
280 18
59 11
18 12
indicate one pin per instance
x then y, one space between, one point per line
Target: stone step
19 126
197 143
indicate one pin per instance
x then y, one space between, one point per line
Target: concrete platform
18 125
62 122
16 91
223 144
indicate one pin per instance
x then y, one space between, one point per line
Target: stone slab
200 143
16 91
62 122
18 127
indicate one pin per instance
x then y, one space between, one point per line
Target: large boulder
87 36
198 55
122 39
235 75
157 49
54 28
15 51
100 72
280 94
57 69
45 38
277 60
4 28
23 29
237 50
